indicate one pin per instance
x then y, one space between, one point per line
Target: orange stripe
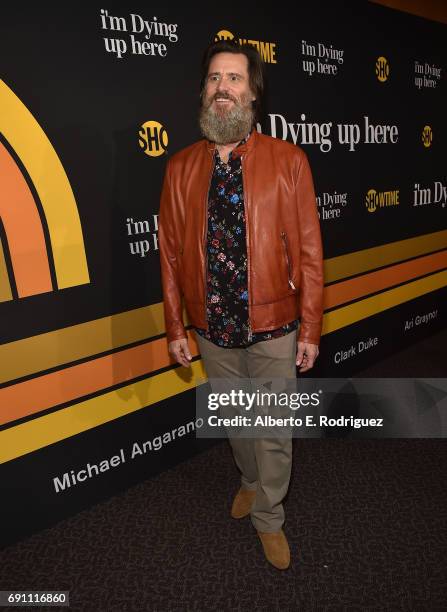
23 229
31 396
349 290
5 285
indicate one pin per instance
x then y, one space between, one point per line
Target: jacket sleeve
169 254
311 257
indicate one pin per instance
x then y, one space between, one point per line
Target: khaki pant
265 464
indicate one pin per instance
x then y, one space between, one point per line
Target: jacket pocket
287 258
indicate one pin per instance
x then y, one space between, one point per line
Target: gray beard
229 127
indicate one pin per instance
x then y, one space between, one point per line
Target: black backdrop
92 105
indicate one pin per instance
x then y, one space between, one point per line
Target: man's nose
220 85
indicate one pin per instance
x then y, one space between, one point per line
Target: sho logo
153 138
223 35
382 69
427 136
371 200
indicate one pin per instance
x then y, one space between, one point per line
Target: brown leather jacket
285 261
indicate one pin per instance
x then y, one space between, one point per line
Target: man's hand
179 350
306 355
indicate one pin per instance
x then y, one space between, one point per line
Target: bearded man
240 241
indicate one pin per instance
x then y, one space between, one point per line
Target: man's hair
255 69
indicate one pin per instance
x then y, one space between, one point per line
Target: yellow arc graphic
43 165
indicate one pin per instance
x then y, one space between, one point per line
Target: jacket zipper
289 268
247 240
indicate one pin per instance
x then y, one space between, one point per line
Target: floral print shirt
227 284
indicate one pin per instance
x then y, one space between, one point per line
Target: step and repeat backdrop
93 101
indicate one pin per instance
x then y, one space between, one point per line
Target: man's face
227 82
226 114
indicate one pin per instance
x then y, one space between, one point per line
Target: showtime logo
267 50
381 199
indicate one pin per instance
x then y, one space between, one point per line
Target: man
240 240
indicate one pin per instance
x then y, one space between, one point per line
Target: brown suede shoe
276 548
242 503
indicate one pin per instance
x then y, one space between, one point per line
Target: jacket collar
241 149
